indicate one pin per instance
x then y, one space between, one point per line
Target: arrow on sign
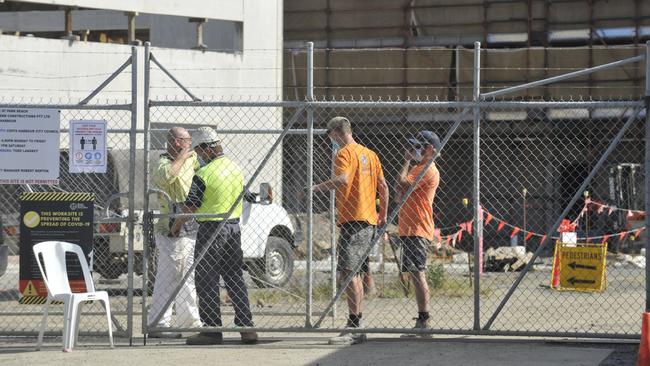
574 280
575 265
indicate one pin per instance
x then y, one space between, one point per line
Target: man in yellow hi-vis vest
217 187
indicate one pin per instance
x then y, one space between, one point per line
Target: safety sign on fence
580 267
29 146
57 216
87 146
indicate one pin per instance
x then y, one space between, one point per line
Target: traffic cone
644 346
556 272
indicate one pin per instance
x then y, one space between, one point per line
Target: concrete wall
164 30
34 70
215 9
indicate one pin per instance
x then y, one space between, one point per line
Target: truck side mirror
266 193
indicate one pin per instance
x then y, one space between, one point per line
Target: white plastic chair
55 277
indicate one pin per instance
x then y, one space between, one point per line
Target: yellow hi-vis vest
224 182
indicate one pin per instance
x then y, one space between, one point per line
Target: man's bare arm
382 187
332 183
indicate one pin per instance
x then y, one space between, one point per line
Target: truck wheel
276 269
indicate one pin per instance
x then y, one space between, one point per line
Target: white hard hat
204 135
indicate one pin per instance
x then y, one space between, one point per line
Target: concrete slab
311 351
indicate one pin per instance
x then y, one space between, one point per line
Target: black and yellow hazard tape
36 300
57 196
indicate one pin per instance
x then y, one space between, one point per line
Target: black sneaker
248 337
204 339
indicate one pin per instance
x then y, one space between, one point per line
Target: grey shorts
414 253
354 245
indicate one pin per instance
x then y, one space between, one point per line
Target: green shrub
435 275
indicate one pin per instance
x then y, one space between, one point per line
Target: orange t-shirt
416 216
356 201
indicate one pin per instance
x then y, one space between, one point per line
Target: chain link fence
110 245
534 156
273 260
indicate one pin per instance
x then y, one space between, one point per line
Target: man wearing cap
357 179
416 215
175 252
216 188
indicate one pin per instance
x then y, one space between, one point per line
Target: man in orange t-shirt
416 216
357 179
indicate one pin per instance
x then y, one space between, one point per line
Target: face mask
200 159
335 145
417 155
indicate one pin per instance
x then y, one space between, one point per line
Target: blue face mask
200 159
335 145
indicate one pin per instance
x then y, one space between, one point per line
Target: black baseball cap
426 138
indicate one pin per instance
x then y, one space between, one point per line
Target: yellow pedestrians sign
30 290
582 266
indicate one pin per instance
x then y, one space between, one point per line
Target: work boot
204 339
349 336
419 324
248 337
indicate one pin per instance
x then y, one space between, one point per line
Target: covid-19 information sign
53 216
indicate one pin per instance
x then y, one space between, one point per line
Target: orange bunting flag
605 238
462 226
459 235
611 209
501 225
488 218
514 232
469 226
622 235
600 209
630 213
448 240
437 234
528 235
637 232
542 240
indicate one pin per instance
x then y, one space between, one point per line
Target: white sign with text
87 146
29 146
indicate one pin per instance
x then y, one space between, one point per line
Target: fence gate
510 171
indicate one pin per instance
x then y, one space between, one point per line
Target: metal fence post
333 249
146 216
647 175
131 220
310 181
476 189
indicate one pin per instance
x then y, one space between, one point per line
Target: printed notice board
29 146
57 216
87 146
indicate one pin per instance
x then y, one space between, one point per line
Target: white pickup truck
268 235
